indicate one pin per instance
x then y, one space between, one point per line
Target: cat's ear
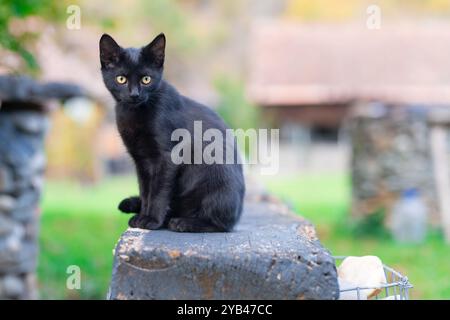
109 51
155 51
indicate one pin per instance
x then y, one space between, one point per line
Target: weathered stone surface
6 225
7 203
25 89
270 255
30 122
37 162
12 286
27 176
37 182
6 180
20 150
14 260
31 227
24 214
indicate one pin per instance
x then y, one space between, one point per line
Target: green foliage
235 109
372 225
233 106
20 9
168 16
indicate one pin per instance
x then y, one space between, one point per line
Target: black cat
182 197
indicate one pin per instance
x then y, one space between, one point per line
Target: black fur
184 197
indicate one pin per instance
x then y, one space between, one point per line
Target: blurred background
360 91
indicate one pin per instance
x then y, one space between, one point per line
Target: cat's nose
134 94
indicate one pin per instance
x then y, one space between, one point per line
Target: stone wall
390 154
22 164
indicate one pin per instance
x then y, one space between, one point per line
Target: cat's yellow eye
146 80
121 79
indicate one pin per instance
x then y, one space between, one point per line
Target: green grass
325 200
80 226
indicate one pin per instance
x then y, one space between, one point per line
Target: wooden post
441 161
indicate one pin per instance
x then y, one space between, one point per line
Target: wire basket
397 285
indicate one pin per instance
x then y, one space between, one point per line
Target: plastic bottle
409 218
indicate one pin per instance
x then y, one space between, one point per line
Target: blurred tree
168 15
233 106
21 9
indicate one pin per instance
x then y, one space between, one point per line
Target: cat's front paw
143 222
137 222
177 225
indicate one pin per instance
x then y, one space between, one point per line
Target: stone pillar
390 154
22 164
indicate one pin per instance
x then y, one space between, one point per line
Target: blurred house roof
72 56
291 64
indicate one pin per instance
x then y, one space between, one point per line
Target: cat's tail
130 205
